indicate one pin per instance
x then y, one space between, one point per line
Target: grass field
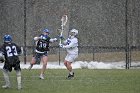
85 81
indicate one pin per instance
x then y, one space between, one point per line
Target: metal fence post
59 56
126 36
93 54
25 32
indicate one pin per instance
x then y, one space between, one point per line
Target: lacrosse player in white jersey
71 46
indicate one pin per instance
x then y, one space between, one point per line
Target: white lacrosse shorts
71 57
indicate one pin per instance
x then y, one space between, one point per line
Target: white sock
18 78
6 77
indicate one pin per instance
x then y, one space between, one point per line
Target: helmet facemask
73 33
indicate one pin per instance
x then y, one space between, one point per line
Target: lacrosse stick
64 20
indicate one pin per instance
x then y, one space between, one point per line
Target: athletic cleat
70 76
5 86
41 76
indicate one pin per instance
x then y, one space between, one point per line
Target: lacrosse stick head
64 20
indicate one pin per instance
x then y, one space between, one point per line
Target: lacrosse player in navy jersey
41 51
71 46
10 51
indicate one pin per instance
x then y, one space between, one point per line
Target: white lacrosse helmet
74 31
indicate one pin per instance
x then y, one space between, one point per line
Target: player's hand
61 37
55 39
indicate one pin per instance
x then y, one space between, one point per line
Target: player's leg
68 63
69 68
44 60
18 73
6 78
33 60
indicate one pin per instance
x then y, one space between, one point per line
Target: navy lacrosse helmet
7 38
46 30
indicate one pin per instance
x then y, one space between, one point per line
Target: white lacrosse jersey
71 45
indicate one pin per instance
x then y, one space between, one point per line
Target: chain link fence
93 53
108 29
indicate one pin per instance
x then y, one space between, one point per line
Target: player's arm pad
36 38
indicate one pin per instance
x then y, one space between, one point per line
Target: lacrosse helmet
7 38
74 31
46 30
